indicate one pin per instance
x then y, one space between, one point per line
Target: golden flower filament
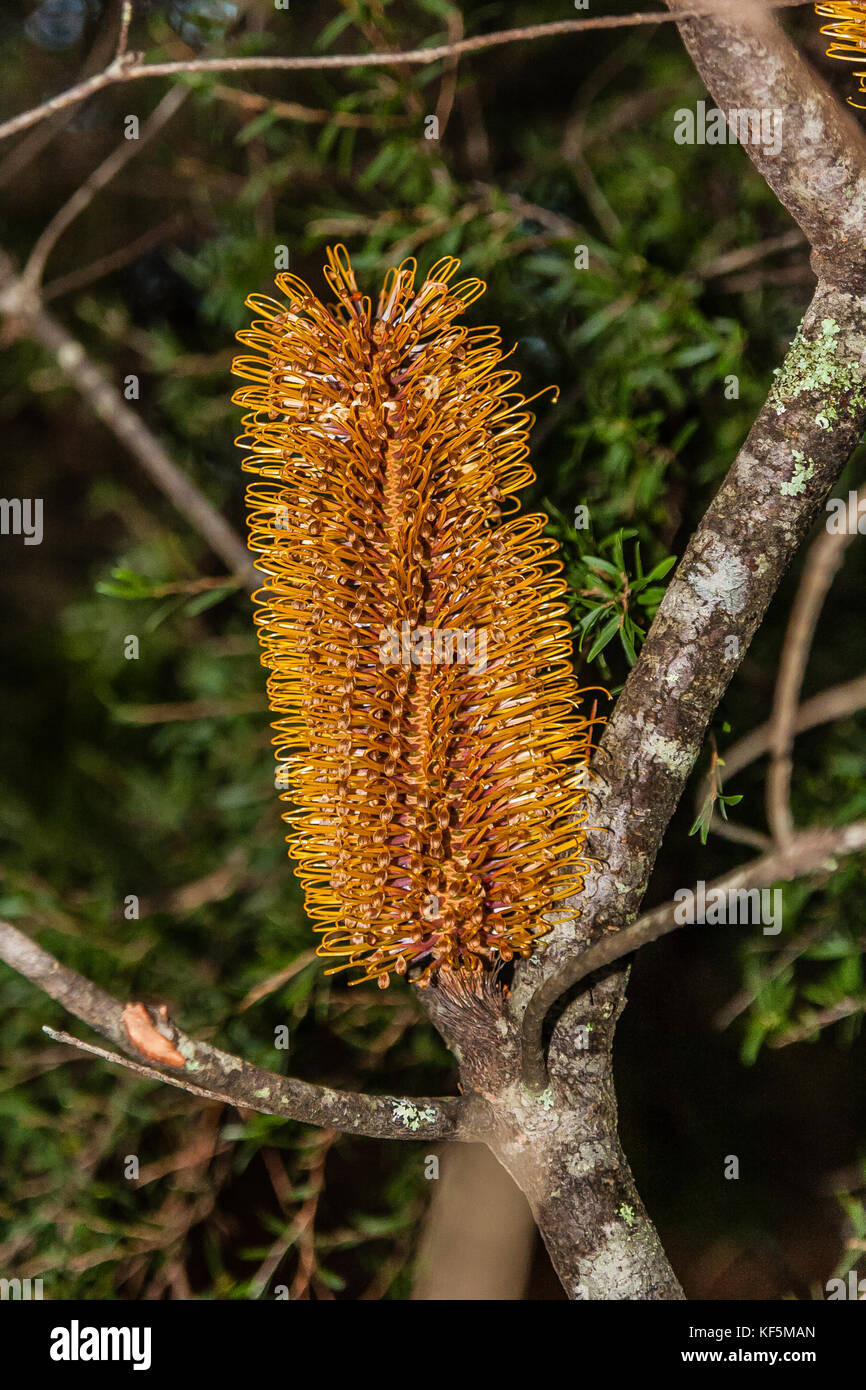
848 35
413 624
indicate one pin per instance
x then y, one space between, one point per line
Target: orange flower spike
848 36
413 624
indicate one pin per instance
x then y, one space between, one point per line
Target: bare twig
807 853
780 963
127 67
115 260
294 111
26 151
214 887
822 1018
743 256
216 1075
19 305
739 834
448 84
822 563
123 36
87 191
170 712
276 981
837 702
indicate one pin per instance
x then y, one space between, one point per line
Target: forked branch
206 1071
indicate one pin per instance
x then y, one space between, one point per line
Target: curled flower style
414 626
848 35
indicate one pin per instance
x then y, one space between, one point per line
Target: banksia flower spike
848 37
413 624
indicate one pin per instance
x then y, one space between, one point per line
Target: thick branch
807 853
206 1071
819 174
795 452
716 600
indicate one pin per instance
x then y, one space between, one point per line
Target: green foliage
715 800
610 598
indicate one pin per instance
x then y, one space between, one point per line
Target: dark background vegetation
154 777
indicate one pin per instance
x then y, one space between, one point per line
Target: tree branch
826 554
206 1071
713 605
25 311
127 67
115 260
806 853
95 182
836 702
800 442
819 174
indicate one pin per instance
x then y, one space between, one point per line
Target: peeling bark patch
147 1039
720 578
676 757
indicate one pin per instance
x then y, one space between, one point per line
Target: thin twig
823 1018
823 559
781 962
26 151
294 111
448 84
21 306
836 702
216 1075
806 854
743 256
276 981
115 260
225 707
128 67
95 182
123 36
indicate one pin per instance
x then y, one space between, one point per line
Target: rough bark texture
794 454
207 1071
561 1146
813 418
819 174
